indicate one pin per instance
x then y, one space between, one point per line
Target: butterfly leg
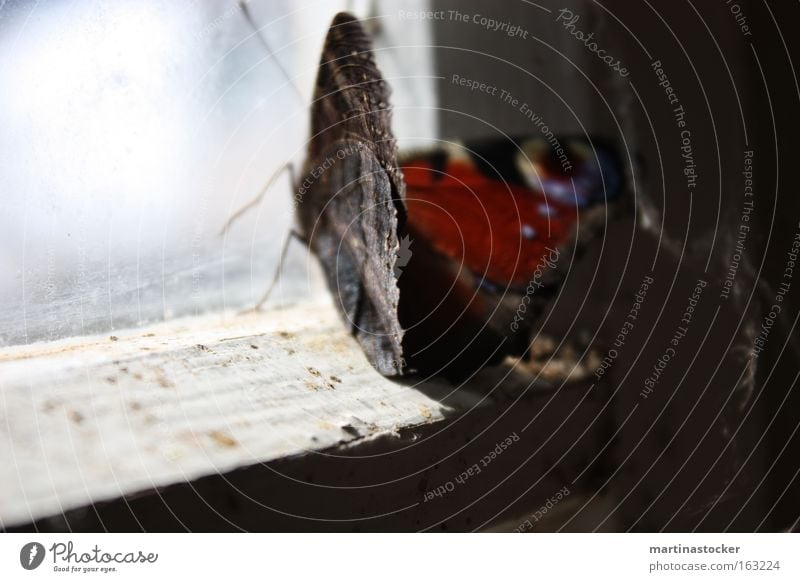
293 234
288 167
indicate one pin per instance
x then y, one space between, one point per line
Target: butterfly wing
350 197
476 240
501 219
504 219
351 99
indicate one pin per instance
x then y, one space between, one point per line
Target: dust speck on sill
223 439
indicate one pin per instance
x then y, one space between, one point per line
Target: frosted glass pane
130 131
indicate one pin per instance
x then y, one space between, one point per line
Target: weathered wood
90 419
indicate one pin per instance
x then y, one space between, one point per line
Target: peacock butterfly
440 260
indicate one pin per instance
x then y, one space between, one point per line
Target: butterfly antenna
251 21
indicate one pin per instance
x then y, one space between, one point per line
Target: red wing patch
497 230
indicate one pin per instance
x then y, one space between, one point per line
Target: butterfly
441 260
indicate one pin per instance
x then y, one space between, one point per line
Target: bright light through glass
130 131
92 110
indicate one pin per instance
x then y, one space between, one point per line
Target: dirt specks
223 439
163 381
319 382
351 430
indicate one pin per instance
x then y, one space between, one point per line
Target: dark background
715 447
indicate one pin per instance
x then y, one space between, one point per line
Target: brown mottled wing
350 197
